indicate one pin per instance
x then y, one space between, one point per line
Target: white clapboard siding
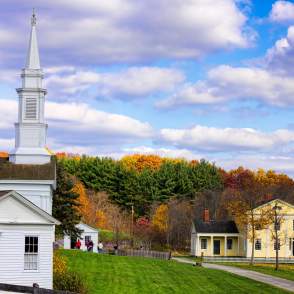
12 239
38 192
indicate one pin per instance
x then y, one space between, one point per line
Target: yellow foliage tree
160 218
141 161
85 206
101 220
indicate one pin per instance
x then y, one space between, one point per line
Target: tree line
154 199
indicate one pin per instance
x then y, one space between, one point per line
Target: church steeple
31 129
33 59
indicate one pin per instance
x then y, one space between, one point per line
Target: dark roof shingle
216 227
10 171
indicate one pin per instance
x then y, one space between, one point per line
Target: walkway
267 279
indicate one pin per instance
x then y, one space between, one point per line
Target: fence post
36 288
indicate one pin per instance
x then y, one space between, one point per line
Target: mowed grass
286 271
117 274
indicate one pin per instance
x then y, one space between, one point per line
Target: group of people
90 245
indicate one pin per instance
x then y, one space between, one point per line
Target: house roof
226 227
10 171
83 225
29 204
266 202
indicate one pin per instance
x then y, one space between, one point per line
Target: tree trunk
252 238
277 249
252 252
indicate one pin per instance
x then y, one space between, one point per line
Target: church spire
31 128
33 60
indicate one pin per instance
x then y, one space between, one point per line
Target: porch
222 245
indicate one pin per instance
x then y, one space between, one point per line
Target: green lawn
116 274
285 271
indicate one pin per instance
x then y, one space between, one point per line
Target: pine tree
65 204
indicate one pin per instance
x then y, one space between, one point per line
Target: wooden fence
34 290
144 253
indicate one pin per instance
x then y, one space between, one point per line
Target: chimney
206 217
268 197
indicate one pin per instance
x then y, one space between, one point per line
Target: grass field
117 274
285 271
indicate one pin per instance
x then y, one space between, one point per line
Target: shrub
66 280
69 281
59 263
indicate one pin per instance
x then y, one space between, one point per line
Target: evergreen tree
65 204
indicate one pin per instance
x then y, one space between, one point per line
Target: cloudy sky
189 78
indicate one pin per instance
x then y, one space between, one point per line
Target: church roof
11 171
216 227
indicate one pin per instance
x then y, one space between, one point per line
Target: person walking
78 244
100 247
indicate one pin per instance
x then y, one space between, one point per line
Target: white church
27 181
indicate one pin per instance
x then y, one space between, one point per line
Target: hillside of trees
154 199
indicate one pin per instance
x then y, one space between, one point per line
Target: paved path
267 279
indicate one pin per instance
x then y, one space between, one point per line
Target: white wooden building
26 238
27 182
88 233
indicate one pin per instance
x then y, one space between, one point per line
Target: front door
216 247
293 247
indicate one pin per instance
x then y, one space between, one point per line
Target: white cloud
164 152
280 58
225 83
284 164
103 32
8 113
282 11
225 140
79 124
78 117
125 84
6 144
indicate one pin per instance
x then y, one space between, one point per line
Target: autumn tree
160 218
84 207
242 198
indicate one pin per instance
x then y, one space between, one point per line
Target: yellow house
224 238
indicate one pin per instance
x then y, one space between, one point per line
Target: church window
31 253
31 108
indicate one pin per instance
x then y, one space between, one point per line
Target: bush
66 280
69 281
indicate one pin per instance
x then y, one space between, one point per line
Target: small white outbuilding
26 242
88 233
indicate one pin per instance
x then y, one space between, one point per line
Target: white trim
275 200
31 205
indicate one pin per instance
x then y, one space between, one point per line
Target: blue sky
181 78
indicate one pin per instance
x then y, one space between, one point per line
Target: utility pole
132 226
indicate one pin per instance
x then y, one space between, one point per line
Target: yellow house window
258 244
203 243
229 244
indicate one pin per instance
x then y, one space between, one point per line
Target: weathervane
34 19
